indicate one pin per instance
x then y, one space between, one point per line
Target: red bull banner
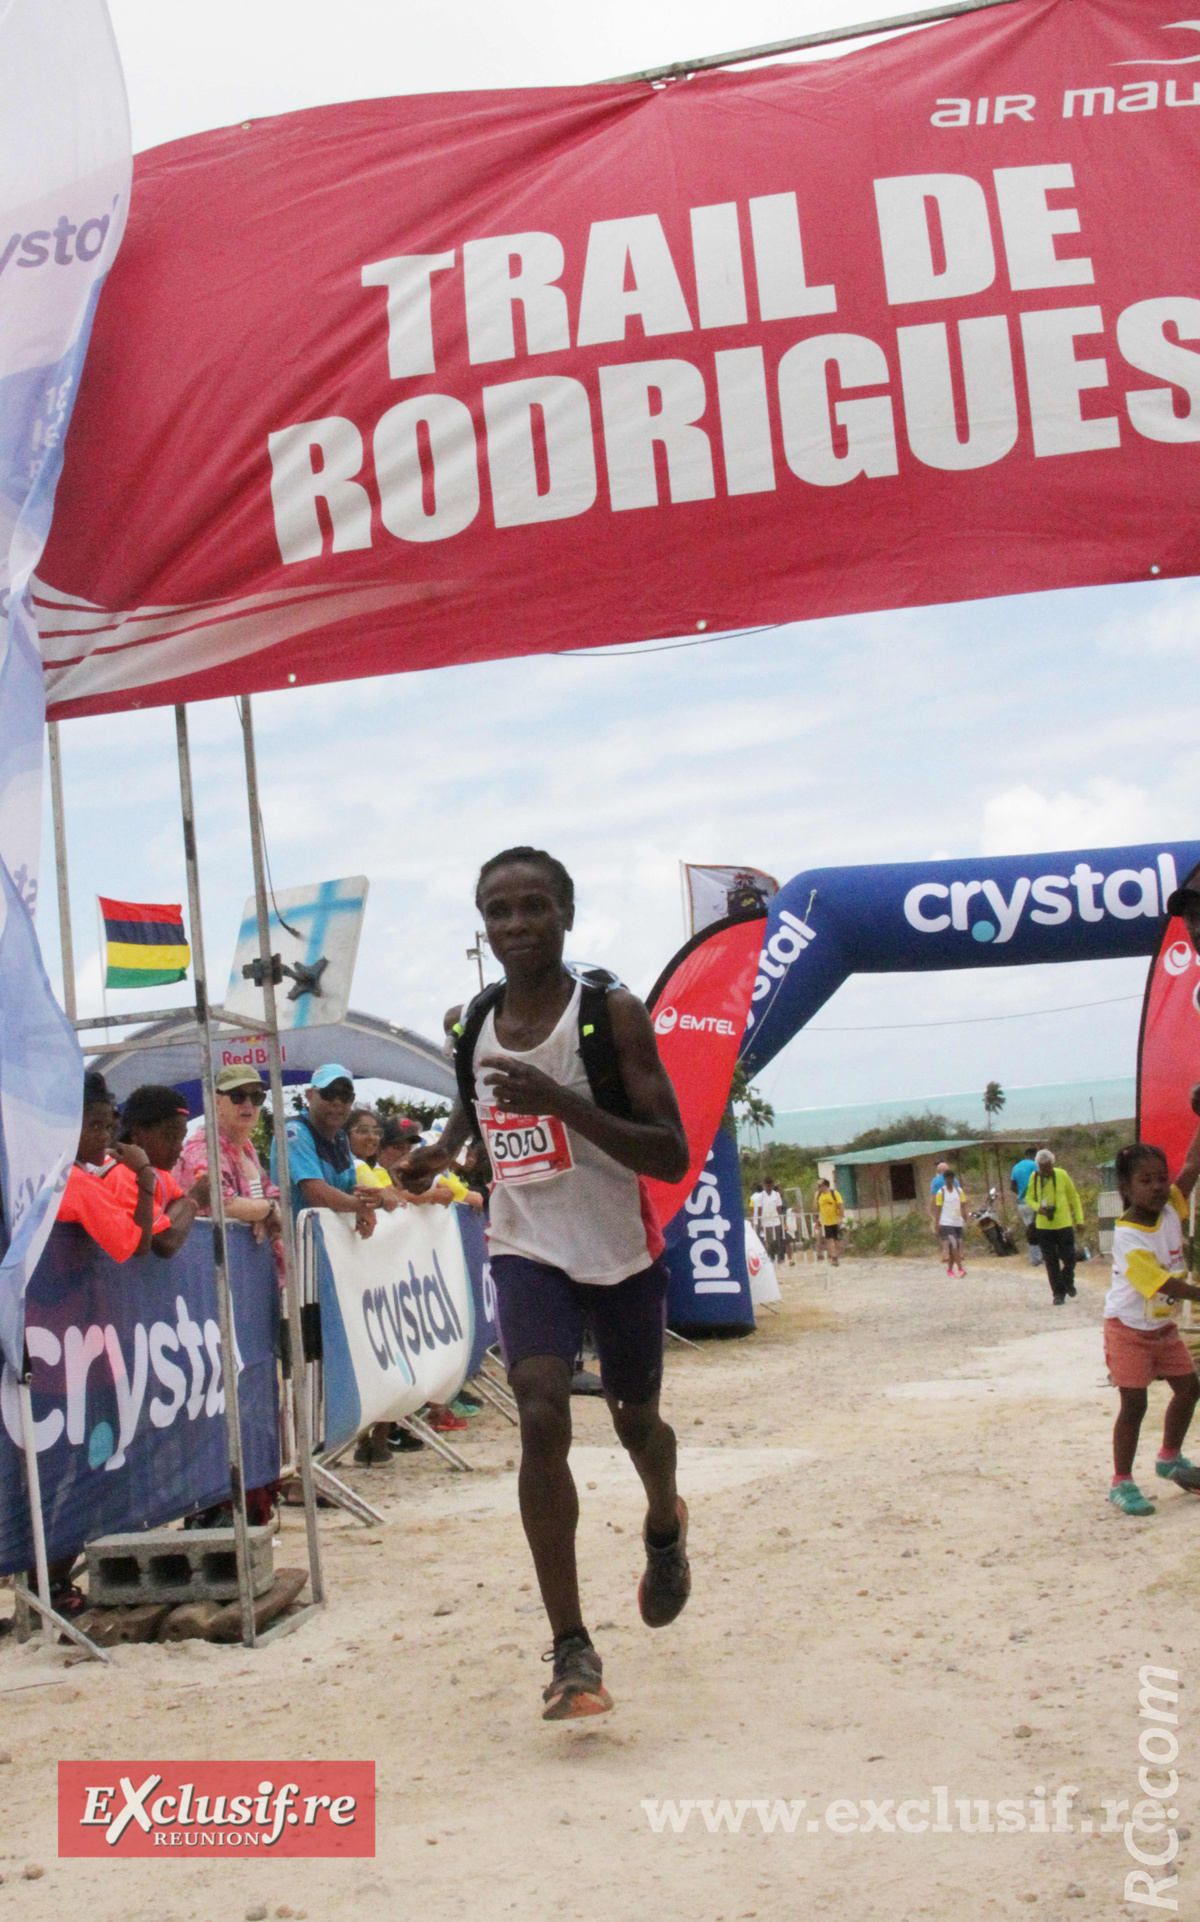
415 381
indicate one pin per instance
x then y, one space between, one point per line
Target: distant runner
562 1078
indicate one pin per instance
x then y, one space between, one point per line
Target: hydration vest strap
597 1048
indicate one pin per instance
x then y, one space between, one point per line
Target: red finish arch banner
449 377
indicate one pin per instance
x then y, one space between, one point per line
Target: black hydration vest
596 1045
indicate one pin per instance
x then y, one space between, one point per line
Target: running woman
571 1234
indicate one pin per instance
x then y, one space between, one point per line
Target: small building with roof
889 1181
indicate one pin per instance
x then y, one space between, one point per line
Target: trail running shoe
1181 1471
1128 1497
576 1686
667 1583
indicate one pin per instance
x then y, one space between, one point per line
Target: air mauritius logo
163 1808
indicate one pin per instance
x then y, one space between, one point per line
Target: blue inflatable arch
1094 904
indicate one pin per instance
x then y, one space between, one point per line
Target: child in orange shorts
1141 1340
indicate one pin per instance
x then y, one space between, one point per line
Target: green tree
994 1098
749 1106
389 1106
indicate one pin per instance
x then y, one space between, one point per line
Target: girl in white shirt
1141 1340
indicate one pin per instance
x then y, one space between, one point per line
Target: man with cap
320 1158
1057 1213
248 1195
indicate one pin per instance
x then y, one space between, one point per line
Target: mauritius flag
144 942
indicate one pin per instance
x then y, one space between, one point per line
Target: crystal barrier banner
404 382
129 1392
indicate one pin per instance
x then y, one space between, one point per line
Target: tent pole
279 1125
825 38
60 866
34 1484
233 1421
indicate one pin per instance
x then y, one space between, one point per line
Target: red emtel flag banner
444 378
699 1006
1169 1045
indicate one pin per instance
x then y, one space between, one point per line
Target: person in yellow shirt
364 1135
831 1212
1058 1211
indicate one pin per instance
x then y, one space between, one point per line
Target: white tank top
586 1218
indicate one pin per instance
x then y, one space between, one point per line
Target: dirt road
906 1580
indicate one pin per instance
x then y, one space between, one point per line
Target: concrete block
175 1565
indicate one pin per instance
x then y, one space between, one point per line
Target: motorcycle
994 1232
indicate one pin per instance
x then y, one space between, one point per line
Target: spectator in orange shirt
89 1197
155 1120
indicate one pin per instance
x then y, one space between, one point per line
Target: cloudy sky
1042 722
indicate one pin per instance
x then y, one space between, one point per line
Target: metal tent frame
208 1018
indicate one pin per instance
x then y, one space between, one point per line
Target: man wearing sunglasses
320 1158
249 1196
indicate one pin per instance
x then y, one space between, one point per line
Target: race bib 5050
525 1147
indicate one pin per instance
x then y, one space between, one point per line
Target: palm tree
994 1099
759 1114
750 1107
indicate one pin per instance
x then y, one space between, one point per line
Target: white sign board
314 931
396 1314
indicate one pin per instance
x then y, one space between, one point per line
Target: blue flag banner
128 1389
706 1248
65 170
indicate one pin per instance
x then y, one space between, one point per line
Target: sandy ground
906 1578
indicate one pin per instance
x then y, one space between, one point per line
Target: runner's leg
650 1444
545 1486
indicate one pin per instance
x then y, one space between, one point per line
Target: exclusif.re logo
164 1808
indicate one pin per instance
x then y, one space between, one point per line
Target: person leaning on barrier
89 1198
155 1120
320 1158
400 1136
247 1195
364 1133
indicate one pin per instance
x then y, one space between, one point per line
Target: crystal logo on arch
981 909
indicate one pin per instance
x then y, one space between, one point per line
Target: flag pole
103 957
60 867
266 969
233 1421
34 1488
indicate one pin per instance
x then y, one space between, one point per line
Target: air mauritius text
151 1808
